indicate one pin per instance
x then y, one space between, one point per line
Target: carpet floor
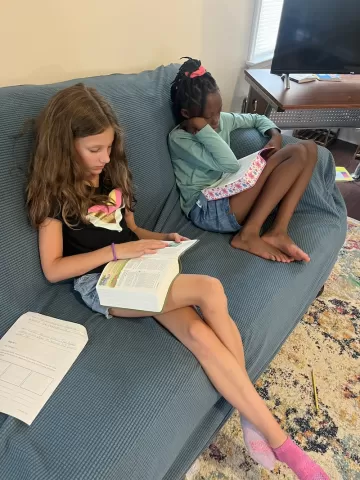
327 340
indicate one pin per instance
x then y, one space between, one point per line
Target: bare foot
252 243
283 242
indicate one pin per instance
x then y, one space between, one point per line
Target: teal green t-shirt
200 159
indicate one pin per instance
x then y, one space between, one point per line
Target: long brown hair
57 186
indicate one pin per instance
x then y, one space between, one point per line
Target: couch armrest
244 141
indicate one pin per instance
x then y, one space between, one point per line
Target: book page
35 354
141 279
144 272
147 271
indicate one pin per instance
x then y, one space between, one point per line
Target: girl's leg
290 167
223 370
277 235
216 343
226 373
208 294
233 383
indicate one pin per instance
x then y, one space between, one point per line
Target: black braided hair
190 93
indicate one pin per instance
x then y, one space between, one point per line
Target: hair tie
198 73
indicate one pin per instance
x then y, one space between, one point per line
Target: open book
35 354
141 283
230 184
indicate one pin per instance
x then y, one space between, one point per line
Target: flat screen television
318 36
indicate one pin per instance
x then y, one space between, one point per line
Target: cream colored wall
226 37
47 41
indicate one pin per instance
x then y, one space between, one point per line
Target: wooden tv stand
305 105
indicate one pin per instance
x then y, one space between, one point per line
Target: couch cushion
136 404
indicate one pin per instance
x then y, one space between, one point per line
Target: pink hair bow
198 73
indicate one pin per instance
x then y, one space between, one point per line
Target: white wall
226 37
47 41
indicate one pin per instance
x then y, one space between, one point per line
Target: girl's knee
212 286
300 149
309 144
212 292
195 330
300 153
289 152
199 338
311 149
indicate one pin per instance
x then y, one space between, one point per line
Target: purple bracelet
114 252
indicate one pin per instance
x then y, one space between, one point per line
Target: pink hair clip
198 73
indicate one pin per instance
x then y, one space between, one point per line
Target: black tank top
106 225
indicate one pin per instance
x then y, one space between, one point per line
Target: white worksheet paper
35 354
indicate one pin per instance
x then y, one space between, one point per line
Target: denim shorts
86 286
214 215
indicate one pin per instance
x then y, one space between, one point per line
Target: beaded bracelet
114 252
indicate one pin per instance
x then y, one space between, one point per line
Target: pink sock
299 462
259 449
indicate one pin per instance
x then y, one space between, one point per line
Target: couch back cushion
141 102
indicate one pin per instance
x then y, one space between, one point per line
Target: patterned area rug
328 341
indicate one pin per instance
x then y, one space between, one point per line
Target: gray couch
136 404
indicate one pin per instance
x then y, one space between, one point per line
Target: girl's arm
275 139
205 149
147 234
57 268
54 265
232 121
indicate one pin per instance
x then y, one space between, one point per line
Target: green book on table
342 175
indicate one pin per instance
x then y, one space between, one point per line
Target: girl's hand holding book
275 142
138 248
175 237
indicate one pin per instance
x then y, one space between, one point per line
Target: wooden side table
306 105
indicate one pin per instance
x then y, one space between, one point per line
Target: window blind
265 29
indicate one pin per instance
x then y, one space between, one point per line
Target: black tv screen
318 36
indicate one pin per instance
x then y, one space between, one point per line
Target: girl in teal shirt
200 152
